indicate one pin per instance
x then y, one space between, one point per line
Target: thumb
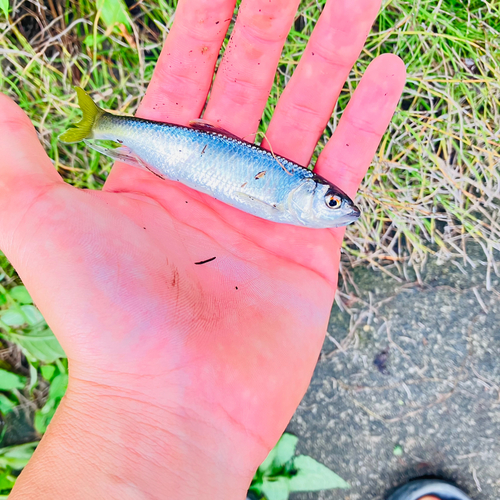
26 172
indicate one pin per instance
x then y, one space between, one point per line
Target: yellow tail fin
83 129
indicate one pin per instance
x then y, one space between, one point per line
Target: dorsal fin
205 126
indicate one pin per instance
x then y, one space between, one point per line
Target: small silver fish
215 162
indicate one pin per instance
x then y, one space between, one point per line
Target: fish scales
214 162
209 162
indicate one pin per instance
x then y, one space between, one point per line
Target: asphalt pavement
408 384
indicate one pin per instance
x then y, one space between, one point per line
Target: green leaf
32 315
57 389
58 386
41 344
12 317
42 421
267 464
280 454
44 416
276 489
285 449
4 7
9 380
33 376
17 456
6 480
17 316
313 476
256 487
89 40
47 371
113 12
21 295
6 404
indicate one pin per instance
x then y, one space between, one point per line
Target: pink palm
115 273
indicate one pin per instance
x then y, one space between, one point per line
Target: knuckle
242 92
335 59
304 117
363 126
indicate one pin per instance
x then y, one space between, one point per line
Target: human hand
195 370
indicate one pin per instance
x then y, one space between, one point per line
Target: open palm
168 294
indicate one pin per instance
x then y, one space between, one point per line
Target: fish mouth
355 212
349 217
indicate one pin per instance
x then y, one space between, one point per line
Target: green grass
433 186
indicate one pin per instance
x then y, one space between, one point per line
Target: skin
183 376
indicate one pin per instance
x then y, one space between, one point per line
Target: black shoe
421 487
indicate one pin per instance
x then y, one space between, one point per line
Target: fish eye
333 201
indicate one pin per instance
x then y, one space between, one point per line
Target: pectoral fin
124 154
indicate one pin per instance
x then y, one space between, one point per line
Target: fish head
317 203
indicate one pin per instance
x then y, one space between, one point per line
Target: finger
246 74
348 154
25 169
307 102
183 74
181 81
